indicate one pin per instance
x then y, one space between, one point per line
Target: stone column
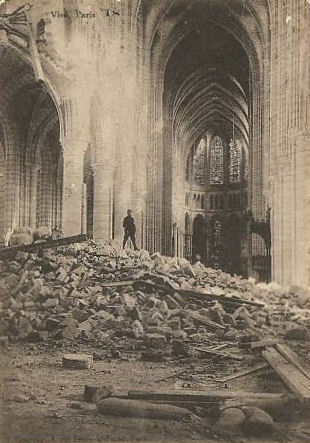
12 186
72 188
102 210
33 195
84 209
122 199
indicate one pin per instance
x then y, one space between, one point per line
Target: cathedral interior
194 114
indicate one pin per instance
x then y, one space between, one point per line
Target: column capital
73 145
103 167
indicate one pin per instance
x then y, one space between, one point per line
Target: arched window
216 161
216 204
199 164
211 202
221 202
235 162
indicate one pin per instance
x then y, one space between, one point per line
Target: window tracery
199 163
235 162
216 161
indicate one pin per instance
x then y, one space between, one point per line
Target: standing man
129 229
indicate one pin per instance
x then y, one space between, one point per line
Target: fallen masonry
97 292
158 309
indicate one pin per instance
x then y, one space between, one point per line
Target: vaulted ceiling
208 53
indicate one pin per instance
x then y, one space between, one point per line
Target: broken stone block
157 258
174 323
51 303
136 314
105 315
21 256
93 394
230 422
77 361
229 320
79 314
137 329
52 323
117 323
297 333
178 334
38 336
24 327
128 301
171 302
231 334
12 281
180 348
70 332
65 302
120 310
155 341
186 267
162 307
257 422
152 301
85 326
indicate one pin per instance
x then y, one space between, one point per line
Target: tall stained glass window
200 163
235 162
216 161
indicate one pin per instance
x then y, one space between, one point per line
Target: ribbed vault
207 62
32 154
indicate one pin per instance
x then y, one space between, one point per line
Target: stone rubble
64 296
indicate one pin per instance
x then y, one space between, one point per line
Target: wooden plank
293 358
297 382
262 344
33 247
204 320
221 298
198 295
222 354
117 284
239 374
200 396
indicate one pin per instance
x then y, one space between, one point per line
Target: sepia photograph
155 221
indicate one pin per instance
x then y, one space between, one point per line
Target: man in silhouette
129 230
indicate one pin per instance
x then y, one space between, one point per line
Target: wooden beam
222 354
295 380
262 344
256 368
293 358
117 284
204 320
200 396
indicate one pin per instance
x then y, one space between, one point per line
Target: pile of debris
99 293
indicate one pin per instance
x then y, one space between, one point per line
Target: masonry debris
149 307
99 293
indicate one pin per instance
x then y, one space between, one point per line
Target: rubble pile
99 293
